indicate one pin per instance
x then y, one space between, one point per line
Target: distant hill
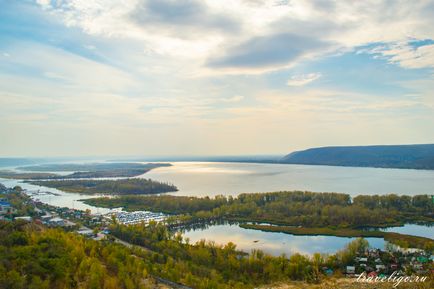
419 156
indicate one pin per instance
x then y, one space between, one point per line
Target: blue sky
140 77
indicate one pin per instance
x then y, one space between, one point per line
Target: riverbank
402 240
287 208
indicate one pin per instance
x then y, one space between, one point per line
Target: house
375 253
24 218
99 237
422 259
6 208
59 222
47 217
38 211
351 270
86 232
56 222
327 271
363 260
380 267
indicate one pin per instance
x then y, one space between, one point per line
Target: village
392 261
378 263
94 226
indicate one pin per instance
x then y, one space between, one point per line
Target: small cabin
351 270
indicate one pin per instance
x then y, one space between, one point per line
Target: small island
109 187
82 171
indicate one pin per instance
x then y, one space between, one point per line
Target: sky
227 77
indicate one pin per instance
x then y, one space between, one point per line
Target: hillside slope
384 156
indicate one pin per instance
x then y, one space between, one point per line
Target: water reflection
270 242
55 197
426 230
210 179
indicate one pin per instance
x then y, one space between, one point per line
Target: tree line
295 208
110 187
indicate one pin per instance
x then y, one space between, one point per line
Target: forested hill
384 156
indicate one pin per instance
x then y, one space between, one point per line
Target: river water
276 244
215 178
210 179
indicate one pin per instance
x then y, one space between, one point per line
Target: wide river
215 178
219 178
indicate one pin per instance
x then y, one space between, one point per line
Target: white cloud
57 64
219 33
159 82
43 2
405 55
303 79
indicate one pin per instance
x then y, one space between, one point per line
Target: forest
32 256
419 156
109 187
208 265
289 208
315 213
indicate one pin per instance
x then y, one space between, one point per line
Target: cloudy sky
141 77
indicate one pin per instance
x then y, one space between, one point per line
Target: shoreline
394 238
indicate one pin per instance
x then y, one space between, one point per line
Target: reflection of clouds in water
271 242
411 229
216 178
186 168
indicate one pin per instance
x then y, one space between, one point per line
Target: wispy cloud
408 56
303 79
230 35
228 76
